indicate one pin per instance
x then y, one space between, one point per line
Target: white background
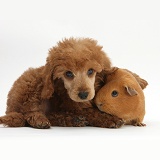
128 30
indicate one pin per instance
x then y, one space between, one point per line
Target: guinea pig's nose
83 95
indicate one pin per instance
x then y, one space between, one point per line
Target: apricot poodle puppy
61 92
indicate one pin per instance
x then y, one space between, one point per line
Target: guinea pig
122 96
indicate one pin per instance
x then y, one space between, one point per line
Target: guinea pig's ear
111 70
142 82
131 91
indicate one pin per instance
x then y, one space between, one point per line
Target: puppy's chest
65 104
75 107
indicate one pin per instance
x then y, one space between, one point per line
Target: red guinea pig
122 96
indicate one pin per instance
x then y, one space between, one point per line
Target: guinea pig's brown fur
122 96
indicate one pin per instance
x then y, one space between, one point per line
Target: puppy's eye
69 74
90 72
114 93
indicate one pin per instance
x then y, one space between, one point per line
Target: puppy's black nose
83 95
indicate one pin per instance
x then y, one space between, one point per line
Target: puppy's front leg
64 119
97 118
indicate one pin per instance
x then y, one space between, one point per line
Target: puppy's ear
143 83
106 63
48 86
131 91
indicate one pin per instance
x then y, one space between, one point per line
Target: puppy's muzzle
83 95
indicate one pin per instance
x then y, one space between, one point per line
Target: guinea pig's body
122 96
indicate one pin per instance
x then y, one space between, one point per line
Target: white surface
130 34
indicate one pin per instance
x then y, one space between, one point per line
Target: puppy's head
76 62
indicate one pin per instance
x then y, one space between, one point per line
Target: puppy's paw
42 124
115 123
111 121
37 120
119 123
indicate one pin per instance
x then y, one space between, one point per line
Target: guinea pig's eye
114 93
69 74
90 72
